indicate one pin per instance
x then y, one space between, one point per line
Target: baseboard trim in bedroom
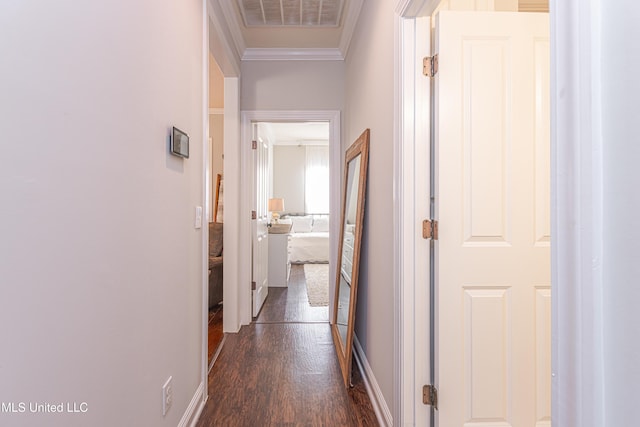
192 414
380 407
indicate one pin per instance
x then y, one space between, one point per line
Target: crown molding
221 44
414 8
234 25
349 26
287 54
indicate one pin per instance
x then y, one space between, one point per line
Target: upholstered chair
215 263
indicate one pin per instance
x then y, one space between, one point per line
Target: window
317 180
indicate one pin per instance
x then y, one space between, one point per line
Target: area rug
317 279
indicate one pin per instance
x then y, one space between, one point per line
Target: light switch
198 223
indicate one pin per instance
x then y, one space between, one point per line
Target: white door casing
492 260
260 251
245 230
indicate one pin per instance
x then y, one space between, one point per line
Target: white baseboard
380 407
191 415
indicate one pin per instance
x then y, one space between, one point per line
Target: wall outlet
167 396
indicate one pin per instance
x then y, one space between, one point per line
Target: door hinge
430 229
430 65
254 215
254 145
253 286
430 395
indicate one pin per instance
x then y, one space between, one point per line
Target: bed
309 239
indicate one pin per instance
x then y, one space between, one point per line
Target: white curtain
316 197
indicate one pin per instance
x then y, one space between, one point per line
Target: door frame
244 242
412 182
216 44
576 214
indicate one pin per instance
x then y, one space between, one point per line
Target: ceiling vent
291 13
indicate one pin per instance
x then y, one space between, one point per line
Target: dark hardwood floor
290 304
282 370
215 331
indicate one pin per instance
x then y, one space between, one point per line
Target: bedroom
298 175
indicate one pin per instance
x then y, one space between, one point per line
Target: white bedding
309 247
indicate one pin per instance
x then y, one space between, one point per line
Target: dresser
279 265
347 256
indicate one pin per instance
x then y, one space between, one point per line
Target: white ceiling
297 133
291 29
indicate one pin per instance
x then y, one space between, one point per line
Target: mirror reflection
346 266
346 289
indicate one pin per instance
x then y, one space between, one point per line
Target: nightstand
279 265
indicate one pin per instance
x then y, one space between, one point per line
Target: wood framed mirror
346 289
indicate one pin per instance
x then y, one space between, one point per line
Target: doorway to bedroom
292 230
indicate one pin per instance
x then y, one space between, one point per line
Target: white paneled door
260 248
492 258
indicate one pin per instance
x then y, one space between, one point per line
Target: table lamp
276 206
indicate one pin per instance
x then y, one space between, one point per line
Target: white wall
369 104
289 176
620 93
100 266
216 132
216 125
292 85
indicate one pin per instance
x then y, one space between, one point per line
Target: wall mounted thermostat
179 143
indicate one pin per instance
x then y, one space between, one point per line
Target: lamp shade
276 205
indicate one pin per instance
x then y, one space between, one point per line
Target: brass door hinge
430 229
430 65
253 286
254 215
430 395
254 145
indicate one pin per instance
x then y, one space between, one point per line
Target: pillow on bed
301 224
320 225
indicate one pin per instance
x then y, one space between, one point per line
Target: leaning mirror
346 289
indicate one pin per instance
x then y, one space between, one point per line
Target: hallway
283 373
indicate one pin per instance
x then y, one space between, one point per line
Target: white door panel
492 201
260 229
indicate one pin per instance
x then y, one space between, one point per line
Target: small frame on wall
179 143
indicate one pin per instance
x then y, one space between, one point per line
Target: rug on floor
317 279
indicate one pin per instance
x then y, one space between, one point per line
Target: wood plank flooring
291 304
215 331
284 372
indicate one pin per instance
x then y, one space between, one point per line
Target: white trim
206 188
288 54
576 215
193 411
349 26
244 168
234 26
233 274
380 407
411 188
415 8
225 54
216 111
